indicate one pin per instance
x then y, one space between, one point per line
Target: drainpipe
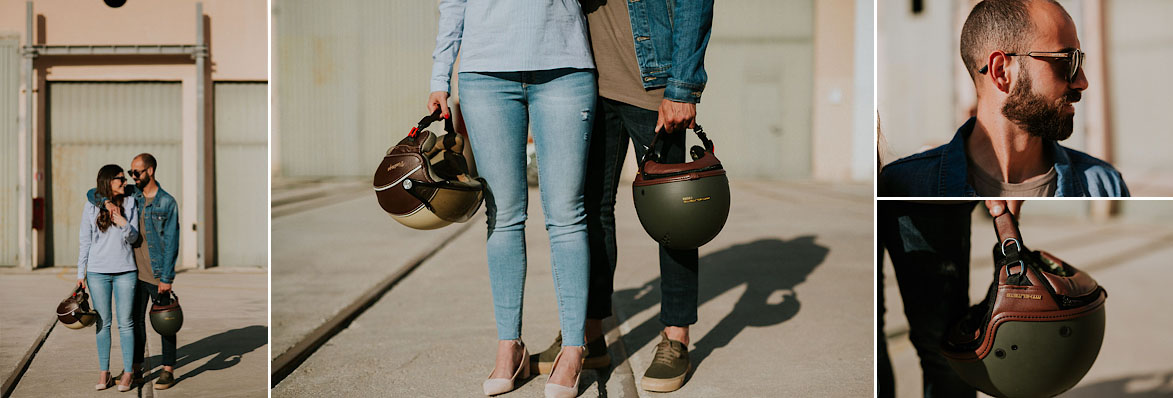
26 197
201 54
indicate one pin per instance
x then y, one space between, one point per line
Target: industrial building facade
83 84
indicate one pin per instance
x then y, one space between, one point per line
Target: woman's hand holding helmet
439 99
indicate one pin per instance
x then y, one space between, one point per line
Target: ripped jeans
557 107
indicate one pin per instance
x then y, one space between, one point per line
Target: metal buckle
1010 240
1022 265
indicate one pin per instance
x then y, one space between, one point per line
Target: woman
525 66
105 265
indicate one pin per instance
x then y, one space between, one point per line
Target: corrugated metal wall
757 103
242 185
9 131
351 77
93 124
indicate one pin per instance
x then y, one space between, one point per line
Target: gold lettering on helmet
395 166
1024 296
689 199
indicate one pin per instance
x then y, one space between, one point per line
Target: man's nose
1080 82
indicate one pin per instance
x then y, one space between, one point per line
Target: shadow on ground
1156 385
768 268
225 348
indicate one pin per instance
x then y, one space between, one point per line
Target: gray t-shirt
614 49
990 186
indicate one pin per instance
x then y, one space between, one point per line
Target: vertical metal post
1098 120
201 136
26 195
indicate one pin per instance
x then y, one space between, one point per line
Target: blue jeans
558 106
615 124
929 245
121 287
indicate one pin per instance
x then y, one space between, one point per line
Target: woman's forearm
451 30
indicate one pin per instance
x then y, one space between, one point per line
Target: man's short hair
148 160
995 25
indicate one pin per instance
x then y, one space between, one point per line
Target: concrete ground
1128 256
785 300
220 352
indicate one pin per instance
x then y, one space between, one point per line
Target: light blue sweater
509 36
107 252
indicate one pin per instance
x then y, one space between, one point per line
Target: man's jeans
615 123
558 107
929 245
118 288
144 294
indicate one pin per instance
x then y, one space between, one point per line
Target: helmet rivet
1000 353
1065 331
1014 347
406 184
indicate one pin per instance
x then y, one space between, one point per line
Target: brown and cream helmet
75 312
424 181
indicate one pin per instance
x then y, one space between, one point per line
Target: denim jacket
671 37
160 228
942 171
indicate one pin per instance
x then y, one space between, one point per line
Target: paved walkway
1130 258
784 302
220 352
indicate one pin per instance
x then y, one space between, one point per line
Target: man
155 254
1025 62
650 61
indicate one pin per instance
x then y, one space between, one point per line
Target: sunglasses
120 178
1074 60
135 173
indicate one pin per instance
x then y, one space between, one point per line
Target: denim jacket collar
954 178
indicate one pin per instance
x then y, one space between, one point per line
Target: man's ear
999 73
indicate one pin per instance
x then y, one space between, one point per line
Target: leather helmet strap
699 131
1007 228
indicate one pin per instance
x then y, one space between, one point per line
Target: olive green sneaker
595 355
165 380
668 368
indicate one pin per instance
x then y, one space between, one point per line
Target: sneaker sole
163 386
598 362
664 385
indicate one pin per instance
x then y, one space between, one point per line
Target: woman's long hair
106 174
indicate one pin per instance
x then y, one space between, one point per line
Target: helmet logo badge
395 166
1024 296
690 199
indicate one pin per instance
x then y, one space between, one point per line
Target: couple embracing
583 77
129 241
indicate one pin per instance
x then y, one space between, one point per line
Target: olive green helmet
424 181
166 315
1039 329
682 205
74 312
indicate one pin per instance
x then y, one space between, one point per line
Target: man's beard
142 181
1038 116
